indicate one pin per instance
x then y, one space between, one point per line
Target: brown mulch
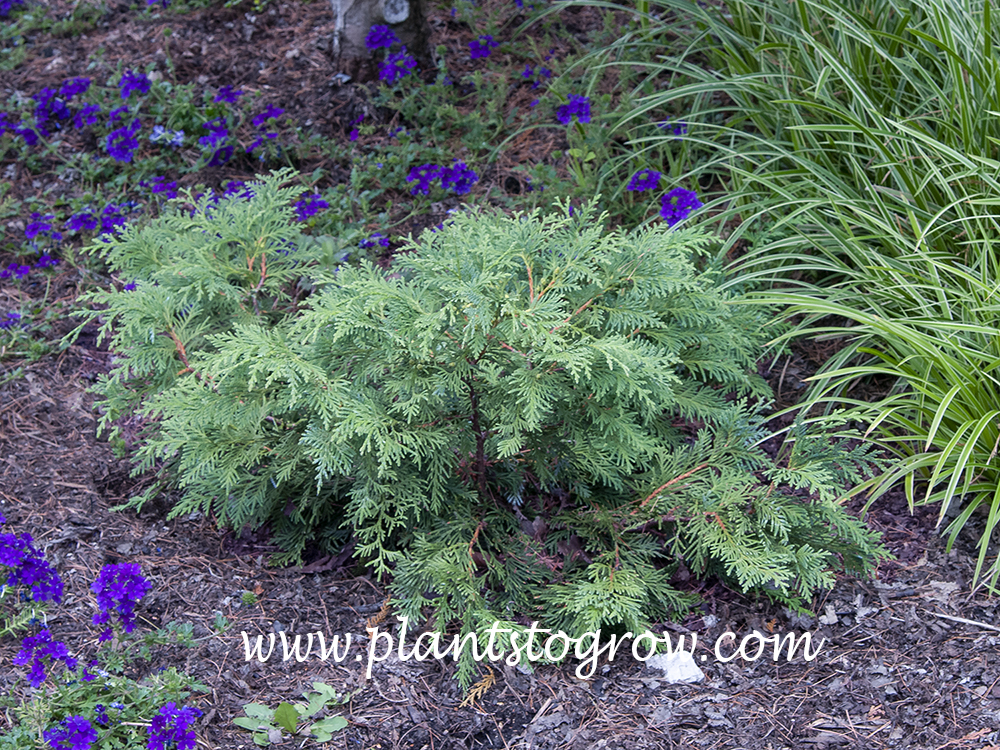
910 659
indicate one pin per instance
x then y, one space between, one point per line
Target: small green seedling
248 598
267 724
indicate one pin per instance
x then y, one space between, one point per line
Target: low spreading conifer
526 417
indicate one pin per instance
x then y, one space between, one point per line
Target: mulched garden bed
910 659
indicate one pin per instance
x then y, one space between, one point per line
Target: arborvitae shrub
525 417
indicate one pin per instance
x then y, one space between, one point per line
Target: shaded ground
910 659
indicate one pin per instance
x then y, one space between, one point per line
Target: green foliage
862 152
505 421
267 723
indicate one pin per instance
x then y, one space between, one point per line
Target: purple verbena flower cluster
459 177
260 122
309 206
536 75
36 650
239 189
50 110
26 565
676 205
118 588
481 47
84 221
380 36
122 143
678 128
12 319
396 66
644 179
6 6
578 107
228 95
87 115
171 727
41 226
131 82
160 186
72 733
173 138
17 270
375 239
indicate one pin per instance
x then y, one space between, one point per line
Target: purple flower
172 137
40 225
12 319
115 114
133 82
482 46
220 157
163 3
122 143
228 95
644 179
677 204
46 261
239 189
170 727
266 115
36 650
218 131
27 565
260 142
29 135
423 176
72 733
309 206
16 270
87 115
83 221
158 185
458 177
578 107
72 87
130 287
118 588
380 36
376 239
50 107
396 67
113 218
7 5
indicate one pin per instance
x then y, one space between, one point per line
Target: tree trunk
353 19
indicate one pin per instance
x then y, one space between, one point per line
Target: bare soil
910 658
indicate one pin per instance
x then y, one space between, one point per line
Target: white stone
677 667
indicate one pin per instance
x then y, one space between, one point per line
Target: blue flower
644 179
458 177
677 204
122 143
396 66
309 206
218 131
220 157
133 82
46 261
158 185
267 114
36 650
578 107
380 36
40 225
170 728
72 733
16 270
376 239
423 175
82 221
74 87
12 319
87 115
228 95
482 46
118 588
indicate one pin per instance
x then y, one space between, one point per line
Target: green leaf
286 717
